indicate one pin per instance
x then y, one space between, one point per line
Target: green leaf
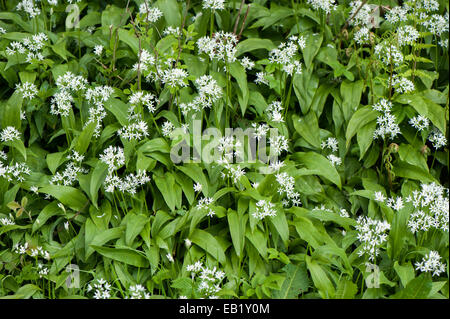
359 119
364 136
405 272
54 160
196 174
296 282
346 289
238 72
208 243
237 226
134 225
69 196
320 165
123 254
305 86
313 43
47 212
171 12
118 109
166 186
10 111
84 139
308 127
402 169
351 97
253 44
320 278
418 288
98 176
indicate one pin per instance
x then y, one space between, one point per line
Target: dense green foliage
355 205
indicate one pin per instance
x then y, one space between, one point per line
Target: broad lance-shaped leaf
320 278
135 224
237 230
97 178
320 165
359 119
50 210
207 242
308 127
295 283
69 196
238 72
123 254
254 44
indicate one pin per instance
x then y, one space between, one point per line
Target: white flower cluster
274 112
222 46
402 85
128 184
437 138
145 61
395 203
42 270
431 263
364 15
278 144
209 92
397 14
27 89
134 131
32 47
247 63
70 173
114 157
175 78
213 4
5 221
264 208
102 289
233 172
15 172
325 5
332 144
227 146
98 49
419 122
29 7
71 82
389 54
9 134
386 122
32 252
206 203
152 14
287 186
208 279
97 96
285 55
137 292
407 35
139 99
372 234
362 36
167 128
431 208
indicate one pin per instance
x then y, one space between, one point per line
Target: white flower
343 213
260 78
431 263
170 257
10 133
335 161
198 187
362 16
222 46
397 14
187 242
27 89
278 144
287 186
325 5
6 221
402 85
419 122
61 103
379 197
175 77
29 7
213 4
167 128
264 208
437 138
114 157
372 234
407 35
362 36
388 54
247 63
331 143
98 49
153 14
134 131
